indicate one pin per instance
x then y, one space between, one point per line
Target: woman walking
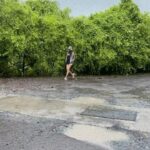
69 62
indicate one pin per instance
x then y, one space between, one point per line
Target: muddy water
95 135
47 108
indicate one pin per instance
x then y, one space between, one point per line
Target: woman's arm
72 59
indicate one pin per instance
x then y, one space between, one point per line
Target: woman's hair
70 48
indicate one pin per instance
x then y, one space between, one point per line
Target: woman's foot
65 78
73 75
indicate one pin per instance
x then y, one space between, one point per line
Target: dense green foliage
34 36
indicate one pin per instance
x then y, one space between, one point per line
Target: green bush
34 36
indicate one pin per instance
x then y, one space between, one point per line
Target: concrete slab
111 113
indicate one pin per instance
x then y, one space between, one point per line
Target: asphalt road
90 113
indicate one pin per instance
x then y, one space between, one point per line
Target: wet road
92 113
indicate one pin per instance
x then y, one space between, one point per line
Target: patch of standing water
95 135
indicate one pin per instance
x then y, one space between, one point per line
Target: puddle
142 123
47 108
95 135
61 109
39 107
89 101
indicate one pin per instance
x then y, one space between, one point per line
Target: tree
34 36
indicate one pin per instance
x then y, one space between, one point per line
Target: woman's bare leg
67 71
72 74
68 68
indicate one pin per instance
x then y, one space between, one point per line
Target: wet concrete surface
20 132
49 113
105 112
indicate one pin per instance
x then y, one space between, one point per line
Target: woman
69 62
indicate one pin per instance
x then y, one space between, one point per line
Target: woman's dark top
68 58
